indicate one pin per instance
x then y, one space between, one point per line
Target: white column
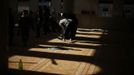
3 37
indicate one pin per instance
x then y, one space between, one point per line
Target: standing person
24 27
38 24
32 20
41 14
46 20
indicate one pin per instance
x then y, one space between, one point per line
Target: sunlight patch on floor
74 51
63 67
69 50
26 60
76 42
89 36
86 29
90 33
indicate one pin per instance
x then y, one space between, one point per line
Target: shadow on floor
18 72
115 56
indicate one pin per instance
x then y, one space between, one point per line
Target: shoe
64 40
70 40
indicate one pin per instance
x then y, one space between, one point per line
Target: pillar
3 37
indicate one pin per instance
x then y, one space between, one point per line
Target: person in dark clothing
71 28
24 24
46 20
11 27
32 20
38 24
54 25
41 14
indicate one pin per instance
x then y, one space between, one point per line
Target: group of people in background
42 22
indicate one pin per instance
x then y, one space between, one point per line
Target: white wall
28 5
68 6
80 5
88 5
23 5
